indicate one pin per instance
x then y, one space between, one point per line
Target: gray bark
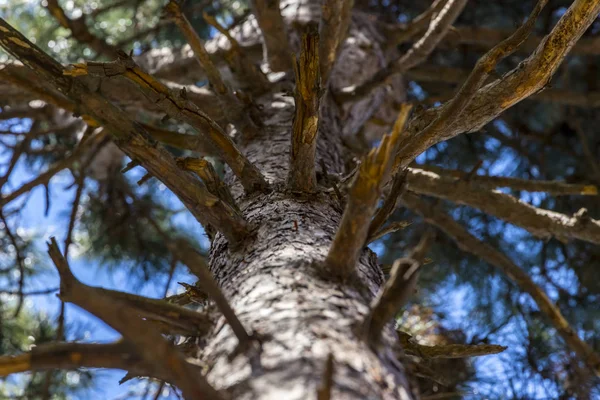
275 280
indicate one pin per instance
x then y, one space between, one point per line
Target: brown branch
80 31
451 75
20 263
447 350
240 63
148 342
305 129
539 222
404 32
333 29
351 235
177 106
488 253
234 110
116 355
454 109
398 185
438 28
130 136
488 102
554 188
390 228
196 264
270 22
183 141
396 291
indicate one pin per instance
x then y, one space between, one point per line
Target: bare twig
276 46
234 110
390 228
302 175
448 350
153 348
488 253
405 32
396 291
20 263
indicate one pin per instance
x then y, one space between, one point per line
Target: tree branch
209 176
234 110
152 347
539 222
116 355
488 102
351 235
447 350
270 22
396 291
418 53
554 188
471 244
178 106
333 29
130 136
305 129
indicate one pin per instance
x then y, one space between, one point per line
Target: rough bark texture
276 280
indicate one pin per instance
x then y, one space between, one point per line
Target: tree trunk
276 280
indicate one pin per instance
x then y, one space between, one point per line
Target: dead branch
130 136
117 355
488 253
302 175
177 106
148 342
529 77
324 390
351 236
396 291
541 223
390 228
234 110
485 65
333 28
404 32
447 350
554 188
270 22
418 53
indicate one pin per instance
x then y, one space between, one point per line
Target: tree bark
276 280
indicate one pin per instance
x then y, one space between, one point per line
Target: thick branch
491 100
539 222
448 350
153 348
276 46
351 236
333 28
116 355
471 244
418 53
177 106
129 136
554 188
302 176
